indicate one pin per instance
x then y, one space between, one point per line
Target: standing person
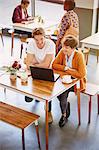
40 53
20 12
71 62
69 18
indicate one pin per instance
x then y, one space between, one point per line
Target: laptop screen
42 74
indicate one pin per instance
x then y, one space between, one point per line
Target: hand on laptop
30 18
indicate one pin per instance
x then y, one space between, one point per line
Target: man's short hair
25 1
70 41
38 31
70 3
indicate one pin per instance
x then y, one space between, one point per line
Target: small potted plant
13 70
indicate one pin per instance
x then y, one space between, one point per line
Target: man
40 53
72 62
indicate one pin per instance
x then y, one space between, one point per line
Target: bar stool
85 51
91 90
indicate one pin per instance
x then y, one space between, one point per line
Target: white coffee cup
24 77
66 79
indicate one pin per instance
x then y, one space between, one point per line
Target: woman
20 12
69 18
20 15
71 62
40 53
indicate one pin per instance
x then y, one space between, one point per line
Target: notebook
43 74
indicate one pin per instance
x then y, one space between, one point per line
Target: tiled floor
71 137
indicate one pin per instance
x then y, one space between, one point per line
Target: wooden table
91 42
30 26
42 90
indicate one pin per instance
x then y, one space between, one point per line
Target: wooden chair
91 90
19 118
23 40
1 34
85 51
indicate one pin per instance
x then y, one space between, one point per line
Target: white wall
85 3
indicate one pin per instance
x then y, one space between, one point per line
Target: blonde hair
38 31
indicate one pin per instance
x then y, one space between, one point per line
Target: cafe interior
24 125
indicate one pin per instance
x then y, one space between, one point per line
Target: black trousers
49 106
63 99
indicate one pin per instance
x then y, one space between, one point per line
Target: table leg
23 140
78 100
97 56
46 121
12 44
2 38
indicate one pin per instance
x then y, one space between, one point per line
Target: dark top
17 15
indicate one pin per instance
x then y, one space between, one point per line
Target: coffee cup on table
24 77
66 79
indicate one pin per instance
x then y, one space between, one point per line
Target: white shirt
69 60
49 48
23 15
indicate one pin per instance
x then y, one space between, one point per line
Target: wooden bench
91 90
19 118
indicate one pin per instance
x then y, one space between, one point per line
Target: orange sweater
78 69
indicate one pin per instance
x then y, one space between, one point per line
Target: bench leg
12 43
23 140
38 138
89 117
98 102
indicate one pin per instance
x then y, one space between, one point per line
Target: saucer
66 79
